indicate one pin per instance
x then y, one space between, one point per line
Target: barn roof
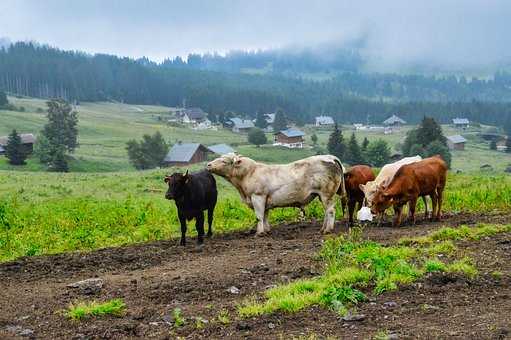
325 120
183 152
460 121
195 113
26 138
292 133
242 123
393 119
456 139
221 149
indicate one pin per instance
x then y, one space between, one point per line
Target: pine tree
257 137
14 150
354 154
429 131
365 144
280 122
61 133
336 144
437 148
261 120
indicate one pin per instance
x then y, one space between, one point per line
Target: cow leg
329 206
182 220
351 210
259 203
381 219
266 221
412 205
439 204
398 210
426 213
210 221
199 225
434 205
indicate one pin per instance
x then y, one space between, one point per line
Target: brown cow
353 178
426 177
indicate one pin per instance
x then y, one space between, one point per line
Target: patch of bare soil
155 278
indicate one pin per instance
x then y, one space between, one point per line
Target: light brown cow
264 186
426 177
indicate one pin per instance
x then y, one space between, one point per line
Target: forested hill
42 71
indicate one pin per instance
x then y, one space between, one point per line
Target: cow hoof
209 235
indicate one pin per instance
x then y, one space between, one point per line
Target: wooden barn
394 121
456 142
183 154
291 138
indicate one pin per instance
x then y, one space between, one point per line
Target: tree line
42 71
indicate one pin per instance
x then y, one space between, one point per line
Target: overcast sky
448 32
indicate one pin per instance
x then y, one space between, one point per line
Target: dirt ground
155 278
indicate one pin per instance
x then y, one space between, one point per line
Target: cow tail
342 185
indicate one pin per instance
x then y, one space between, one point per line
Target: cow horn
167 178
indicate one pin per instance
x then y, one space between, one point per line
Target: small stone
390 304
243 326
350 317
88 286
167 319
234 290
392 336
271 325
26 332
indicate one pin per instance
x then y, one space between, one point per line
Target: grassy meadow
45 213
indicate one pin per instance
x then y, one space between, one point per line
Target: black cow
193 193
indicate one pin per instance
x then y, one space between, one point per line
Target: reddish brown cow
426 177
356 175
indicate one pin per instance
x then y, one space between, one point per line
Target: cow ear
167 179
237 161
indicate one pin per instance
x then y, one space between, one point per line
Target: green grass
352 265
84 310
48 213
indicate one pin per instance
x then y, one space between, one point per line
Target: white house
461 122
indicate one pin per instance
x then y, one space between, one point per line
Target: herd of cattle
266 186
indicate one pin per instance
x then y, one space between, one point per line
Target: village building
27 140
221 149
462 123
291 138
324 121
456 142
191 115
241 125
183 154
394 121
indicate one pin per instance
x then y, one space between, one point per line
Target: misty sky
443 32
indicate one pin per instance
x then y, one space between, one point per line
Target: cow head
369 189
381 201
228 165
177 184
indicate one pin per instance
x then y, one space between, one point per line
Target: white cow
384 177
264 186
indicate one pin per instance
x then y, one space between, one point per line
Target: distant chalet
291 138
394 121
461 123
241 125
27 140
183 154
324 121
456 142
192 115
